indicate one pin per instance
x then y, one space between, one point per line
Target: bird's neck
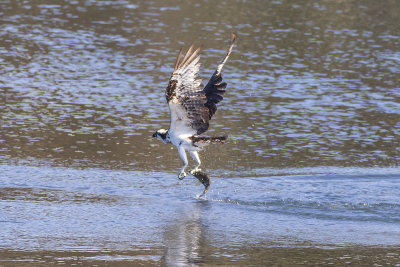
166 138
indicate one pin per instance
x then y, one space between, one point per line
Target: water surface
100 215
310 174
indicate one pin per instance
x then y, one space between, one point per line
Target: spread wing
191 107
215 88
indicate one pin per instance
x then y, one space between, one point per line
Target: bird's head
161 134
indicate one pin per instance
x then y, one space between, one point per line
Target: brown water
312 111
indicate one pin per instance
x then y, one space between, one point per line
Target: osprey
191 108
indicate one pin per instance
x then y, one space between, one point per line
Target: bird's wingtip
234 37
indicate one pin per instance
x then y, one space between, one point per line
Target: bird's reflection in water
184 238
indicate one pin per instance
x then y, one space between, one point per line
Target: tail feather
206 140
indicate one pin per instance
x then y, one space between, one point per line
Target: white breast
179 139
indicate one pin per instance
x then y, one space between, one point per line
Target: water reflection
184 238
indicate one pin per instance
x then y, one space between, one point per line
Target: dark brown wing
215 88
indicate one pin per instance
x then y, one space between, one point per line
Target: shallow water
109 215
310 174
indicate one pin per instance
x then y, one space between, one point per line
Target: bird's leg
195 156
182 154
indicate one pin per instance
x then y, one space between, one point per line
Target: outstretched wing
185 98
191 107
215 88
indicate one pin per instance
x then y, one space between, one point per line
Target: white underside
179 133
184 144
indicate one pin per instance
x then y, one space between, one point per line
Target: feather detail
177 60
185 63
187 55
192 107
215 88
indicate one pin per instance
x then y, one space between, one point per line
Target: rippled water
124 216
312 111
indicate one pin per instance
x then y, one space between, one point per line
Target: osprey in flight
191 108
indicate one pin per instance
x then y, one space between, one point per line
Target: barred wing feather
192 107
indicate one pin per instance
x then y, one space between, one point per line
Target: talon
182 175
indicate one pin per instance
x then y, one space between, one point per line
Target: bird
191 108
